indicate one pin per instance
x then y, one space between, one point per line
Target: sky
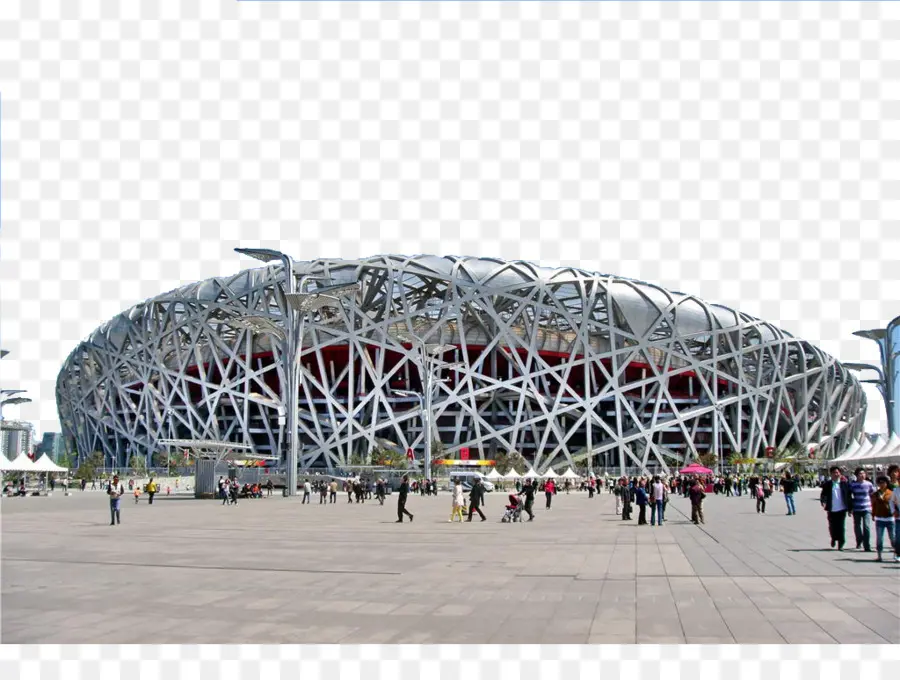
747 156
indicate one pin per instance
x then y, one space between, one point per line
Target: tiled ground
271 570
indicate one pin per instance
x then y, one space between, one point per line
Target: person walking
528 492
658 497
115 490
640 494
697 494
788 488
307 490
861 491
476 498
836 502
893 474
332 492
269 487
379 491
549 490
323 492
151 490
760 490
882 510
627 498
402 493
457 502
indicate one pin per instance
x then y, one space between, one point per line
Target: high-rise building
59 447
53 444
15 437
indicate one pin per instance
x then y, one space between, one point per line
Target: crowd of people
230 490
873 507
864 501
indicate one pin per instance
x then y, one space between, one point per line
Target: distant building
15 437
53 444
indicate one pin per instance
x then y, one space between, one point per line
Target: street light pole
267 255
886 339
429 363
12 401
299 304
426 425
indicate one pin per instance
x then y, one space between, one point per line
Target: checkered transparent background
474 662
743 152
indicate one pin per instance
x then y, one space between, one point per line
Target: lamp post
426 426
887 340
12 401
429 364
299 304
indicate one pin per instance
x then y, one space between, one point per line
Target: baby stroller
513 510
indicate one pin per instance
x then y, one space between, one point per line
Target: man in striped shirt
860 492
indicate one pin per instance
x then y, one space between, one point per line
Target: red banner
464 453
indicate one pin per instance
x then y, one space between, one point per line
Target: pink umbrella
695 469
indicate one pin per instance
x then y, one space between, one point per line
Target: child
137 492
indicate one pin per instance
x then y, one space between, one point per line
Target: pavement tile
347 573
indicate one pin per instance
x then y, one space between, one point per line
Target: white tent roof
853 448
550 474
22 463
493 474
570 474
878 445
890 451
512 474
44 464
5 463
531 473
853 455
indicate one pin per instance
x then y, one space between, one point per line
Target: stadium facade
561 365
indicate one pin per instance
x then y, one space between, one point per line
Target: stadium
564 366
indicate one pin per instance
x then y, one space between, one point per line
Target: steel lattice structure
557 364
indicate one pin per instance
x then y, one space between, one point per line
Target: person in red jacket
549 490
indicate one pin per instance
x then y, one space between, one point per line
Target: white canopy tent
44 464
5 464
863 449
512 475
877 446
493 474
549 474
531 474
890 453
22 463
570 474
851 451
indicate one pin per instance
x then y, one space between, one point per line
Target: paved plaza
273 570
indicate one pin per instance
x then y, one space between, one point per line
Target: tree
89 466
508 460
709 460
138 465
389 458
66 460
